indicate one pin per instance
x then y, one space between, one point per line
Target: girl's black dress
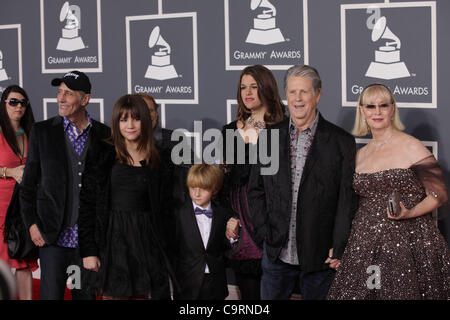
131 252
120 221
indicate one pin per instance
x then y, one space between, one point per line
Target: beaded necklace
256 124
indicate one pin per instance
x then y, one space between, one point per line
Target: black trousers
208 291
249 286
57 264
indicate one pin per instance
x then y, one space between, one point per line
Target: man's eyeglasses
373 106
15 102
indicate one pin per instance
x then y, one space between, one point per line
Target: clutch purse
394 203
16 235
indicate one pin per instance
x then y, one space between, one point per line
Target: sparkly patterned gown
411 254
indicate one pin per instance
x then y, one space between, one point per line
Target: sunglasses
14 102
373 106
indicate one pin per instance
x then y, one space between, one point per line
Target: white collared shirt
204 226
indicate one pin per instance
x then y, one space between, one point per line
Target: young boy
199 241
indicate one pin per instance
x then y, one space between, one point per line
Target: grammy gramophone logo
387 64
160 67
264 29
3 75
70 40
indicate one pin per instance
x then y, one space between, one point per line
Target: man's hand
334 263
36 236
91 263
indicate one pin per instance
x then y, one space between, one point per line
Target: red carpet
36 283
67 293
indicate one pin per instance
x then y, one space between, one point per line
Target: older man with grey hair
52 180
302 214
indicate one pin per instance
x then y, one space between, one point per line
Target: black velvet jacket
45 189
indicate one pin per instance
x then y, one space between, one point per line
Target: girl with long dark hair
119 221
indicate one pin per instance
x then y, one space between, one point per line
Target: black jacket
44 185
95 200
326 202
189 255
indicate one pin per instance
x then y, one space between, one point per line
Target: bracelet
434 194
4 173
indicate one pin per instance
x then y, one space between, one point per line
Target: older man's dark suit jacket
44 185
326 201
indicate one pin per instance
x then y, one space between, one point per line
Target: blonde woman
394 238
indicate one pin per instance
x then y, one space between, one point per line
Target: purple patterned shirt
78 139
300 142
69 236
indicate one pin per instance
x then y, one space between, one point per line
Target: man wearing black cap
51 185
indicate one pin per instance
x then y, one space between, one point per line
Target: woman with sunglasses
16 120
395 250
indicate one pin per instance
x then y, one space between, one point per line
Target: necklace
384 142
256 124
18 133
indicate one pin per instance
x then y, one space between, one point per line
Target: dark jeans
279 279
54 263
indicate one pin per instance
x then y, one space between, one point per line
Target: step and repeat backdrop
189 55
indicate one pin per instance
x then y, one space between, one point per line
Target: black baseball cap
75 80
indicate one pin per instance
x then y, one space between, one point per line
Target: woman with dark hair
119 220
16 120
259 104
